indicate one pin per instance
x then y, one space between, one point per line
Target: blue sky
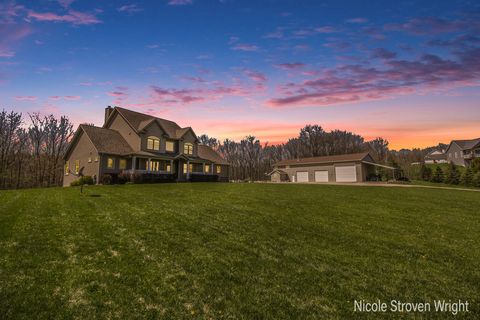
407 70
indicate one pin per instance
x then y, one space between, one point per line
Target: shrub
453 175
475 165
123 178
82 181
467 177
476 180
107 179
437 175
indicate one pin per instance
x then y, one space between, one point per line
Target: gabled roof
466 144
276 170
140 121
326 159
207 153
104 140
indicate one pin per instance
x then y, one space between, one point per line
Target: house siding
155 131
82 151
458 160
118 123
190 138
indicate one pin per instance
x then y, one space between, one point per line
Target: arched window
188 148
153 143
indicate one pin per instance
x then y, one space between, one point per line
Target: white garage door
321 176
302 176
346 174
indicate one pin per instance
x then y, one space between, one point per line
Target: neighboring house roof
139 121
436 155
207 153
276 170
326 159
467 144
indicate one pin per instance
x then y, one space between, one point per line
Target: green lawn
251 251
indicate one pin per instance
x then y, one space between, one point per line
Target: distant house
355 167
462 152
436 156
133 143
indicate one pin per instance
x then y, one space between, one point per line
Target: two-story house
134 143
462 152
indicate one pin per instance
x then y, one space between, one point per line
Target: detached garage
345 168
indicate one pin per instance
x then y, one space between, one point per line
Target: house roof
276 170
140 121
436 155
466 144
207 153
325 159
107 140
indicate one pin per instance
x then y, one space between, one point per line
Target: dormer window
153 143
188 148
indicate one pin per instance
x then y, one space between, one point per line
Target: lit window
188 148
169 168
66 168
153 143
219 169
190 167
110 163
184 168
122 164
170 146
77 166
89 159
207 168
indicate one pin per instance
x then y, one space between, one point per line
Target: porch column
204 168
171 166
188 169
134 160
148 164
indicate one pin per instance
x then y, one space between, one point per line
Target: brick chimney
108 112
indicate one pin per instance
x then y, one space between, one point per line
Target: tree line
32 149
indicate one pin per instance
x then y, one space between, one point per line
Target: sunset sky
407 71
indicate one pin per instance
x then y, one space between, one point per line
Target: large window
111 163
66 168
122 164
207 168
188 148
153 143
170 146
77 166
219 169
159 165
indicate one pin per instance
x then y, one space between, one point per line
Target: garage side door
302 176
346 174
321 176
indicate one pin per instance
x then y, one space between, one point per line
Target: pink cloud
72 16
55 98
326 29
353 83
10 34
357 20
180 2
26 98
255 75
72 98
245 47
116 94
290 66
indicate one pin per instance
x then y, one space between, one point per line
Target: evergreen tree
437 175
425 172
452 176
467 177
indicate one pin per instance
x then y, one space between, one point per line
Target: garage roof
327 159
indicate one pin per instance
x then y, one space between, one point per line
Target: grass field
251 251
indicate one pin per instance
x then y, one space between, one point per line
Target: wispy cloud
26 98
245 47
129 8
255 75
290 65
72 16
72 98
180 2
357 20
